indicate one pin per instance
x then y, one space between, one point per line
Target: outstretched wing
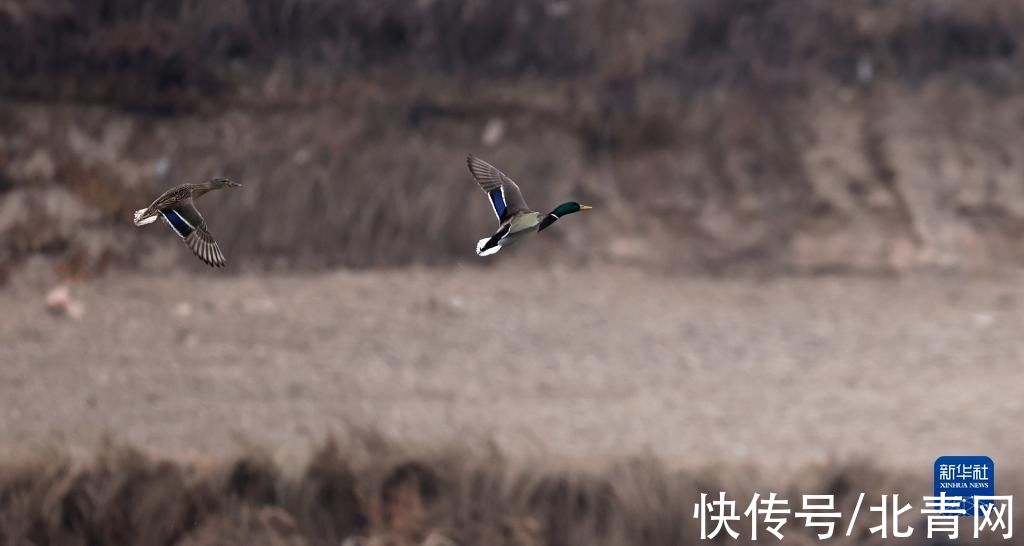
205 247
186 221
506 199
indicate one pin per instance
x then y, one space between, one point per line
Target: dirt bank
599 363
797 136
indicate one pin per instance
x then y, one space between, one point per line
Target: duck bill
585 207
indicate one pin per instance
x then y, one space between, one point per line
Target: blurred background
802 269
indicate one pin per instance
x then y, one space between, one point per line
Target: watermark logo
766 517
969 479
964 494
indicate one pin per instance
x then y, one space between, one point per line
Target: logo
965 478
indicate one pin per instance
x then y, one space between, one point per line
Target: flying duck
176 206
515 219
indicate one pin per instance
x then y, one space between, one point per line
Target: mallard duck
176 206
515 219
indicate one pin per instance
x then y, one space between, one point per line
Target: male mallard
515 219
176 207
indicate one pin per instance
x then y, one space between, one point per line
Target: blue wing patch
498 201
179 223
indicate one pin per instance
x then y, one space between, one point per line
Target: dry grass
170 55
372 492
730 131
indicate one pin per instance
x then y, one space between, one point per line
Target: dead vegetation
372 493
172 56
792 136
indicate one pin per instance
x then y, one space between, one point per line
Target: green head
569 208
560 211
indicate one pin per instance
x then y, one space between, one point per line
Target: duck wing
172 197
185 219
506 199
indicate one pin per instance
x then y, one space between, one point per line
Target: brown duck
177 207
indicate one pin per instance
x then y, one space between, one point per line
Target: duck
515 219
177 208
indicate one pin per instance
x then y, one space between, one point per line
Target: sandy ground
590 364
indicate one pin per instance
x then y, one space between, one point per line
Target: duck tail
483 250
144 216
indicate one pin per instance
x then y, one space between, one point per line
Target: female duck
176 206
